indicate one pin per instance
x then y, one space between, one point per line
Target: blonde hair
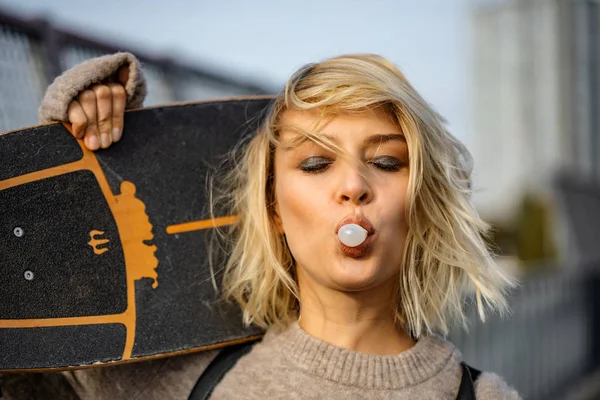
444 252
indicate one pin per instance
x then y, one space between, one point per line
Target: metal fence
546 344
551 341
33 53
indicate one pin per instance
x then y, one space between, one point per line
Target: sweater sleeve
35 386
96 70
165 378
490 386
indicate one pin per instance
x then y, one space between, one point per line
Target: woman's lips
358 220
363 248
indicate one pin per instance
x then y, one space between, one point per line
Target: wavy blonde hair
444 252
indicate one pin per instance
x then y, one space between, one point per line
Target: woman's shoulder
170 377
491 386
488 386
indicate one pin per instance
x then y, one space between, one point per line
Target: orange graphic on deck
134 229
95 241
202 224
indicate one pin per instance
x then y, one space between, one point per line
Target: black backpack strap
474 373
466 390
218 367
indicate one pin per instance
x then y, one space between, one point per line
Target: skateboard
103 255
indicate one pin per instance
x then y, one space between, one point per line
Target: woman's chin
349 274
354 277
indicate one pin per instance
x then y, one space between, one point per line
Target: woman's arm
36 386
165 378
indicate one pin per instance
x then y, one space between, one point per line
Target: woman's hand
96 114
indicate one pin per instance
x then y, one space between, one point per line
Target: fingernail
116 134
105 140
93 142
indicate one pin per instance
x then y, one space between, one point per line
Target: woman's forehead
363 123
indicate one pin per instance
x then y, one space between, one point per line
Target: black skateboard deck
103 256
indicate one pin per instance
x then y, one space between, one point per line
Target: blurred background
517 80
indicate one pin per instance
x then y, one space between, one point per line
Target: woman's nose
353 187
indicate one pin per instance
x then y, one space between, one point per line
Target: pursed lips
358 220
363 248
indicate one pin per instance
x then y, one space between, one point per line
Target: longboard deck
103 256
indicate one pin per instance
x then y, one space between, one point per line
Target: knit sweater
286 364
294 365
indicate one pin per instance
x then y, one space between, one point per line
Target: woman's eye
315 164
388 163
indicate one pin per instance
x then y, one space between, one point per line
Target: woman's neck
361 321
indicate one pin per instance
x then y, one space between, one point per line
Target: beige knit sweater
288 364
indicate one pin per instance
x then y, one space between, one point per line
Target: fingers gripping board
103 256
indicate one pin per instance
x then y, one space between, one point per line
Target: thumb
123 75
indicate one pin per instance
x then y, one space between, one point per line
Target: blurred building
535 97
535 138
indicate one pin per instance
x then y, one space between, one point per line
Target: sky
266 40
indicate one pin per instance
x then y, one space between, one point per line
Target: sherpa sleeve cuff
96 70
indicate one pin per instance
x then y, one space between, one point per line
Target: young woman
355 245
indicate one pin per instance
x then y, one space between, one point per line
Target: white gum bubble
352 235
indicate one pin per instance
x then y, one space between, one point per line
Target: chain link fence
545 346
33 53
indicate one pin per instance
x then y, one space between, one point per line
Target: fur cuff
101 69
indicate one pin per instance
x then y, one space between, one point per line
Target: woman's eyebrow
377 139
382 138
301 139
